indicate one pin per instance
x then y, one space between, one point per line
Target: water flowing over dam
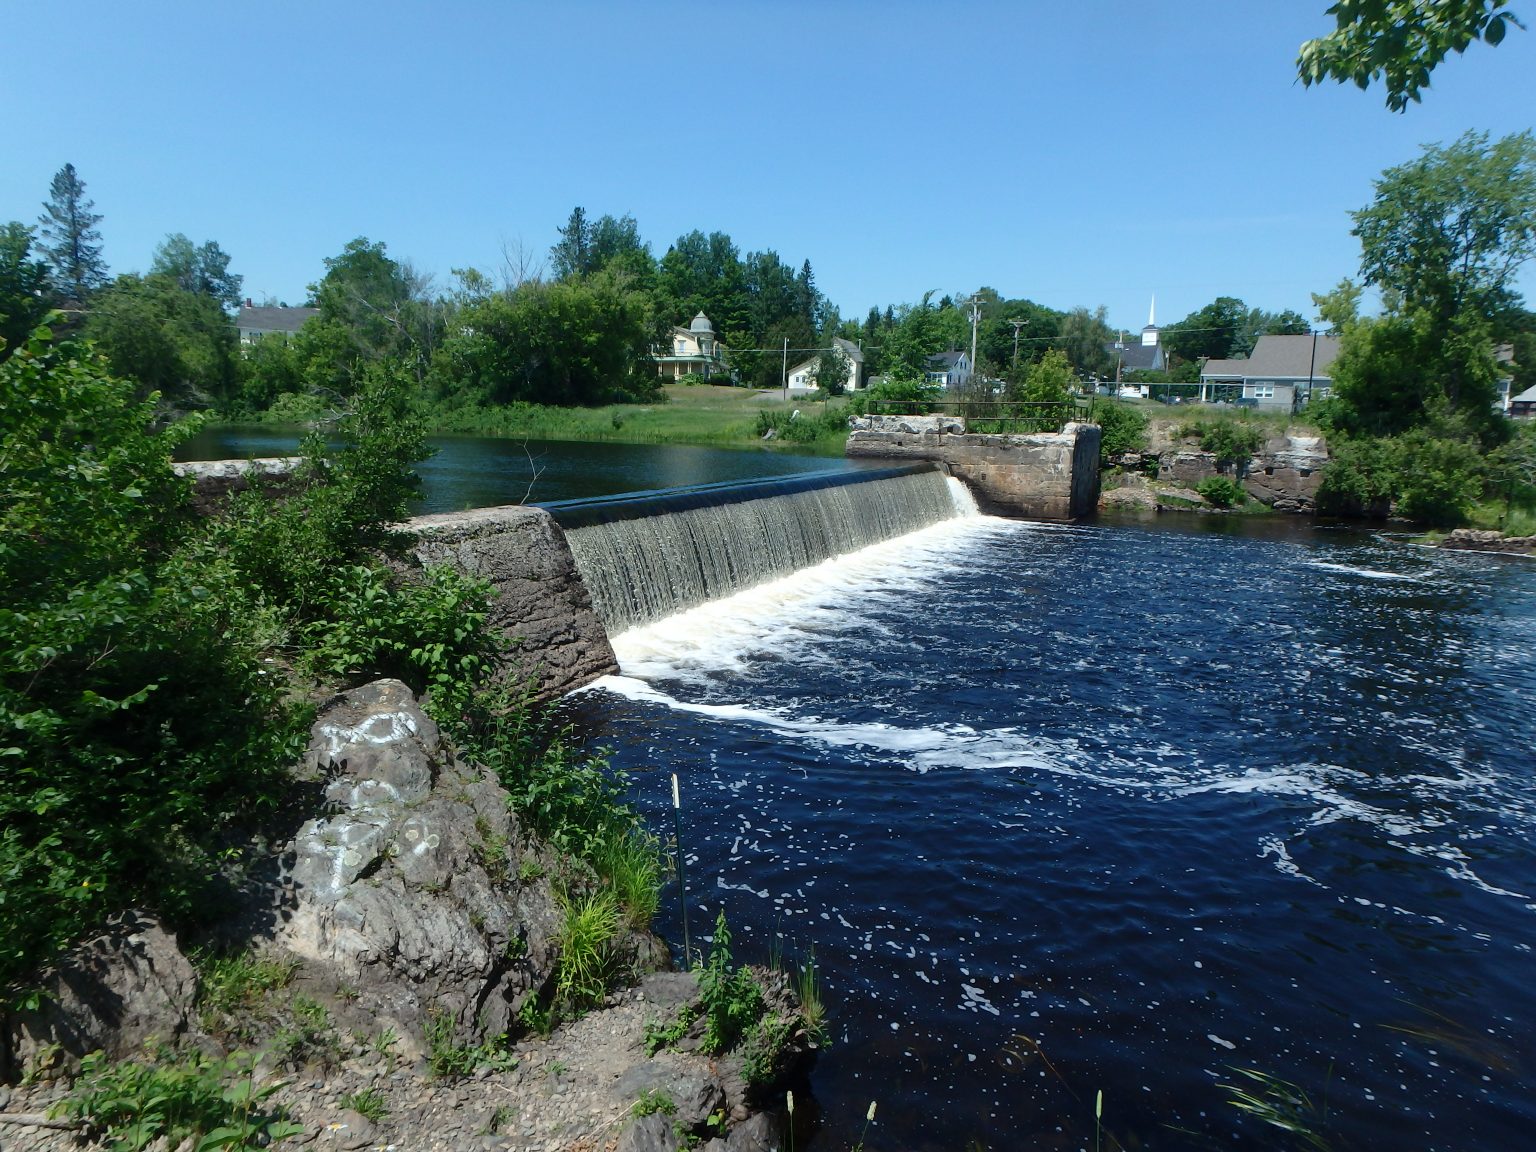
649 555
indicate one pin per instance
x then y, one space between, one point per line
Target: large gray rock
539 602
407 892
125 988
653 1133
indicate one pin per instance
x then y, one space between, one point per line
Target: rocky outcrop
128 987
1476 540
405 901
1046 476
1285 474
407 893
539 602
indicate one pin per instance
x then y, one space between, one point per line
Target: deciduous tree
24 287
200 269
1450 230
1399 42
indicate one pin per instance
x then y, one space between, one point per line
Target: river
1120 809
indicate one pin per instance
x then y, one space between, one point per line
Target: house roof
1526 397
1281 356
947 359
1133 356
849 349
803 365
274 319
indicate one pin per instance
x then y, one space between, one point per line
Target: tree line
582 334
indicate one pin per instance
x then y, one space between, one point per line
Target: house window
1263 391
682 347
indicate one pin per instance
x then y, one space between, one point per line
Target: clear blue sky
1074 153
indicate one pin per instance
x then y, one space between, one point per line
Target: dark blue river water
1120 809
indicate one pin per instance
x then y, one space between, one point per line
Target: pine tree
70 242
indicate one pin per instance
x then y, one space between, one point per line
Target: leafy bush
803 426
138 721
1229 441
1361 478
1221 492
429 633
215 1104
732 1000
909 394
1440 481
352 495
1124 429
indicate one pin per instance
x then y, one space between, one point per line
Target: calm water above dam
1064 810
484 471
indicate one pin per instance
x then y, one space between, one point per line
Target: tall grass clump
586 940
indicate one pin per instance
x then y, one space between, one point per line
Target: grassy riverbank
692 414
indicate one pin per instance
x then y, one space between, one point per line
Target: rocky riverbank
394 961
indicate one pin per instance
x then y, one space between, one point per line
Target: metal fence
995 416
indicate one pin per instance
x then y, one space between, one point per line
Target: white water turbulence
650 567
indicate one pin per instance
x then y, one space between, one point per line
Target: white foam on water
779 616
1352 570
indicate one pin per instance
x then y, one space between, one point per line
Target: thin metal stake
682 876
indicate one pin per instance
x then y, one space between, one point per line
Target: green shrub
803 425
1124 429
216 1104
1440 481
733 1002
910 395
1361 478
1230 441
431 633
1221 492
138 722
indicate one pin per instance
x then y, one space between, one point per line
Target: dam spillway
648 555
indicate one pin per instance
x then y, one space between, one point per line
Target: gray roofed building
1523 406
1283 372
254 323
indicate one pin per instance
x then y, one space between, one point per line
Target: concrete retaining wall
1046 476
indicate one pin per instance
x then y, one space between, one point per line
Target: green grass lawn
692 414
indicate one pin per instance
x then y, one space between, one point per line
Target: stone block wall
540 602
1045 476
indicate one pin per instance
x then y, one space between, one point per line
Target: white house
257 323
950 369
801 379
1283 373
693 351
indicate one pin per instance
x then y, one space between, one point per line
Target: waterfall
649 555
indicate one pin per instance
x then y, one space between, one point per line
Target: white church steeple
1149 333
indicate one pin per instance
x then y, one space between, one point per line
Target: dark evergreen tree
70 242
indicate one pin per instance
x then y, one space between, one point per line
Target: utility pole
975 303
1017 324
785 370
